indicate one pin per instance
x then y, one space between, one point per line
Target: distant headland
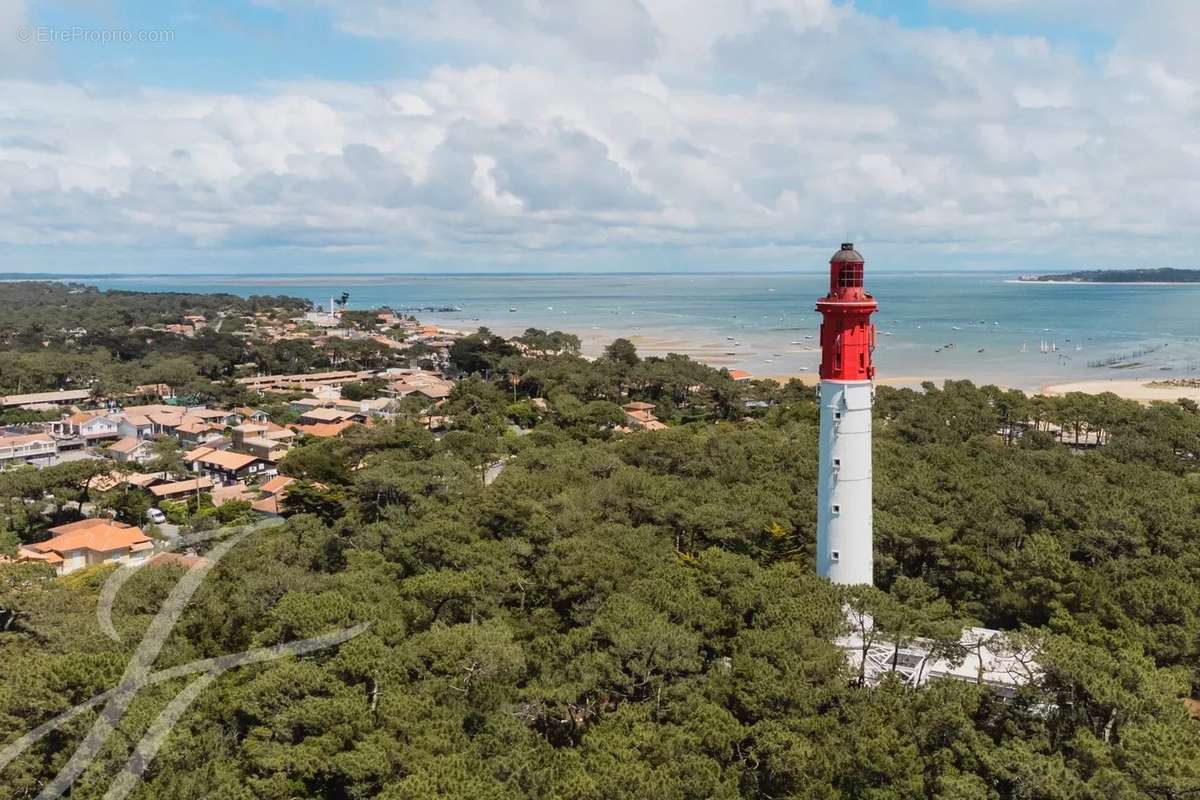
1159 275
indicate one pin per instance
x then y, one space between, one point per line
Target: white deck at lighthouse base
987 657
844 537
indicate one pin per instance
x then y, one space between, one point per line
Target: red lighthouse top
847 335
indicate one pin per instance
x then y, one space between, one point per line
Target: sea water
984 326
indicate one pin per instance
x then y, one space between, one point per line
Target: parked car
156 516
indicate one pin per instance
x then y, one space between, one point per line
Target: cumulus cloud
757 130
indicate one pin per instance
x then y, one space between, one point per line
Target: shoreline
1104 283
1127 388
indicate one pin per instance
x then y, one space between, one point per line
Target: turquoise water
764 319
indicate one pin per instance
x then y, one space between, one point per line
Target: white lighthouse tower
844 535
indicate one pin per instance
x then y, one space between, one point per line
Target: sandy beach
714 352
812 379
1140 390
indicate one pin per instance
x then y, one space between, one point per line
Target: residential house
235 491
181 490
212 415
640 416
273 493
426 384
302 404
247 414
153 390
324 430
279 432
131 450
363 410
253 439
165 422
87 542
135 426
33 448
144 480
227 467
194 431
92 427
319 416
334 378
63 398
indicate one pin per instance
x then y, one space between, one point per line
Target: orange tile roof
324 430
196 425
275 484
208 413
197 452
327 414
102 483
98 535
147 410
27 554
224 494
180 487
29 438
267 505
226 459
126 445
144 479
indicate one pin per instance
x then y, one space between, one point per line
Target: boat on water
512 309
797 342
887 333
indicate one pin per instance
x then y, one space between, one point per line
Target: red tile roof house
87 542
324 430
319 416
253 439
91 426
234 491
227 467
274 491
181 490
137 426
131 450
34 448
247 414
641 417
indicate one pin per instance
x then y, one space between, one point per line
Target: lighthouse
844 535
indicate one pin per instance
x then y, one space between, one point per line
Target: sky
597 135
